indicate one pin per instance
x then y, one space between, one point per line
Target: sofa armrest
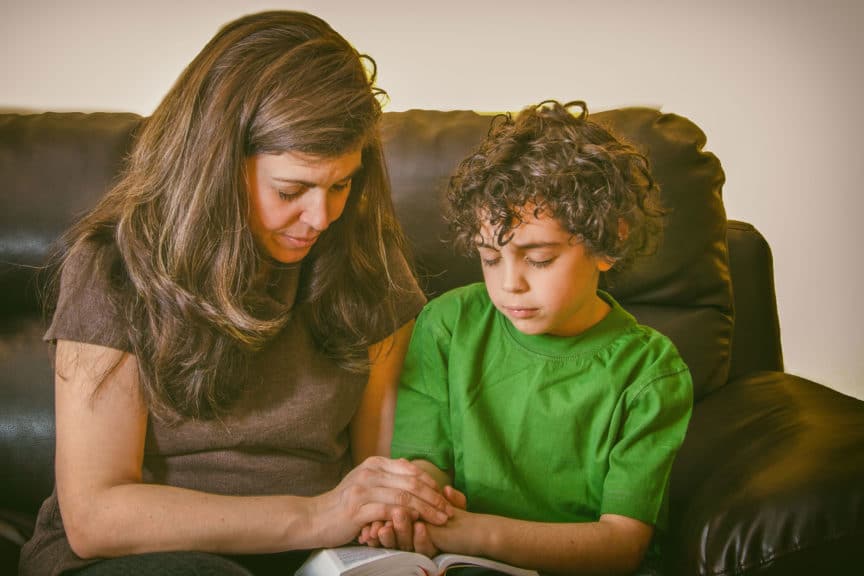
756 336
26 416
770 480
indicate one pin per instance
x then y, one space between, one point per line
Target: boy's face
542 280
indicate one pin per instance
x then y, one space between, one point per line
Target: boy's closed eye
539 261
536 259
488 256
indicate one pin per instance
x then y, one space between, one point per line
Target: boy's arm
420 422
613 545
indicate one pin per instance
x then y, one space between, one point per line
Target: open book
362 560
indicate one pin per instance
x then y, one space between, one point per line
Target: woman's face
294 197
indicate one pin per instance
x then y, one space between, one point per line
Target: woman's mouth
296 242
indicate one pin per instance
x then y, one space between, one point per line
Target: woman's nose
316 212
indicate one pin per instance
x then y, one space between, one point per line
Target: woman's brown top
286 434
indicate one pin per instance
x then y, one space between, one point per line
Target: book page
355 555
365 561
447 561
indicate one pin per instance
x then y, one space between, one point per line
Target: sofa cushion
770 477
683 290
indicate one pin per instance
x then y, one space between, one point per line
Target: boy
534 394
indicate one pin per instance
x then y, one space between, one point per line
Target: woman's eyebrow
313 184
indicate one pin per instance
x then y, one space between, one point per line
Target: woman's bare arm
372 426
108 511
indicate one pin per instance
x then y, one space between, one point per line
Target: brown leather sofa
770 479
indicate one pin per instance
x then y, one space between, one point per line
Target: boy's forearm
608 546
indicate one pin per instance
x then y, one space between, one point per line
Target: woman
231 322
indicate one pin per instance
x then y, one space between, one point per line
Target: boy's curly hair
566 166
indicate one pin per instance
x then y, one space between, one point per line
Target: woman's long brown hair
188 267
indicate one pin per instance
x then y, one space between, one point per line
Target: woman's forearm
137 518
128 518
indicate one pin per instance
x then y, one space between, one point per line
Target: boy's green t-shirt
543 428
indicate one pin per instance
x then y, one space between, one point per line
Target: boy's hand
378 489
455 497
422 542
394 533
398 532
462 534
430 545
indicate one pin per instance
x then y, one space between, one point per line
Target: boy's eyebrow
483 244
535 245
524 246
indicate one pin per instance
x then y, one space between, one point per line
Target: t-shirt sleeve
408 299
653 424
87 305
422 425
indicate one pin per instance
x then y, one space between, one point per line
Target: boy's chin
527 327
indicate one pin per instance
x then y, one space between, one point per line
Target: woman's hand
378 490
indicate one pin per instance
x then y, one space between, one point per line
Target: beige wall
775 84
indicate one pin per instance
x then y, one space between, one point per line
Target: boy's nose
514 281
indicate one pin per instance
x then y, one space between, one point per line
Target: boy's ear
605 264
623 229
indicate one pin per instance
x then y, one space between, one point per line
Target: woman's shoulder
88 257
92 290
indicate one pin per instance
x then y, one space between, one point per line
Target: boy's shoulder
465 303
470 296
640 340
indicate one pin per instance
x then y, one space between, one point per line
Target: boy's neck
599 309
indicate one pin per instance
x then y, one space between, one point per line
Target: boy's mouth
520 312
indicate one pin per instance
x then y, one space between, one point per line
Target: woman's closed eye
293 192
342 186
290 193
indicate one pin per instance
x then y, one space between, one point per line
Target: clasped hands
394 504
407 530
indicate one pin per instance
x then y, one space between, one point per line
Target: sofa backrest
54 166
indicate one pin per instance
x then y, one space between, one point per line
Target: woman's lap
167 564
197 564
